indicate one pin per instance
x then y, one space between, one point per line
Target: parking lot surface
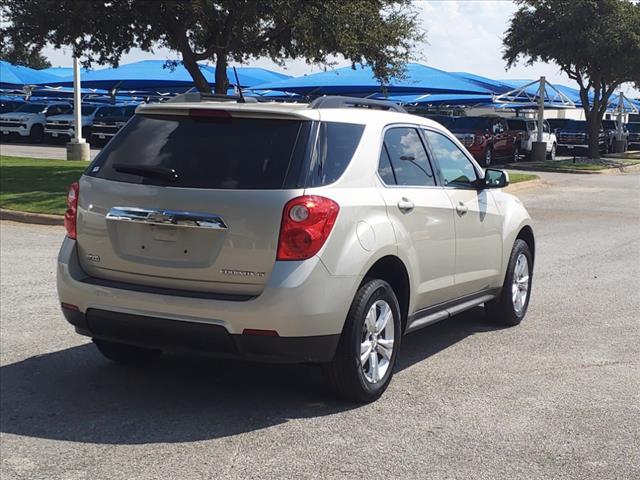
58 152
557 397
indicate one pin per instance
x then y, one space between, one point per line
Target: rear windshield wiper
163 173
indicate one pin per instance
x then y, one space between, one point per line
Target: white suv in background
290 233
529 134
29 119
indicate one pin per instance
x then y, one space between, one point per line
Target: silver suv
290 233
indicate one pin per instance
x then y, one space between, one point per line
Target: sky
462 36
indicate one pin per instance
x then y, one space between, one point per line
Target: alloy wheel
376 347
520 284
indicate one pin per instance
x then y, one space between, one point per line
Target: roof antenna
238 85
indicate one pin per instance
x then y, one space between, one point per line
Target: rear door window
407 156
220 152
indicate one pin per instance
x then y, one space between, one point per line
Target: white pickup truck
28 120
528 133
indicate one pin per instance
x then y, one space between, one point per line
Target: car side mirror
494 178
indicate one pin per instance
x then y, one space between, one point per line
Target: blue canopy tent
155 76
440 99
15 76
361 82
496 86
60 71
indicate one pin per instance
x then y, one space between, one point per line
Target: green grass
37 185
521 177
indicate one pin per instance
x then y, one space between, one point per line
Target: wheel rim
376 348
487 157
553 152
520 285
516 154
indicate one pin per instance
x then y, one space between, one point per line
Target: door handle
405 205
462 209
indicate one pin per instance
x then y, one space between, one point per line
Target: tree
380 33
24 55
595 42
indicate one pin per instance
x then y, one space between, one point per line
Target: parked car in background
109 120
574 137
29 119
610 128
528 130
557 123
634 136
62 127
487 138
9 105
318 233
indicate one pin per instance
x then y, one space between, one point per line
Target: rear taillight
306 224
71 215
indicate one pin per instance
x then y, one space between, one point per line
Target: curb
516 187
27 217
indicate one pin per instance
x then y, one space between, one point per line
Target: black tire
501 310
552 154
126 354
345 371
487 157
36 134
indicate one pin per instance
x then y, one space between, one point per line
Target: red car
487 138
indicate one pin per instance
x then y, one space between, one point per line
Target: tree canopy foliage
23 55
380 33
595 42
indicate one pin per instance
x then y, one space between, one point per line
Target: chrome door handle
405 205
462 209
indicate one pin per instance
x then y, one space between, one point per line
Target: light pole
77 148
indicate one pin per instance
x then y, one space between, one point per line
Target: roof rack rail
202 97
345 102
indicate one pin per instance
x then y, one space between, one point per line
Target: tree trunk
192 67
593 127
221 73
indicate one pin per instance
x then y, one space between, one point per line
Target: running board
431 315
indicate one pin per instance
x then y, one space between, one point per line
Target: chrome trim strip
155 216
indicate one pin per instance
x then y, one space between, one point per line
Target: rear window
205 152
516 124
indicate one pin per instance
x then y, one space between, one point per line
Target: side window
337 142
457 169
407 157
384 168
498 127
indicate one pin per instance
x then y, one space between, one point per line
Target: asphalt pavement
557 397
57 152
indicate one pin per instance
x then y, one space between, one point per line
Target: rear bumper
301 301
165 334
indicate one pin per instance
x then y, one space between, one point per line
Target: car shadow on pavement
76 395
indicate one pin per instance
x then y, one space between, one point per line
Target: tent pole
77 148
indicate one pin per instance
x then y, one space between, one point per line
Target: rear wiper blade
164 173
